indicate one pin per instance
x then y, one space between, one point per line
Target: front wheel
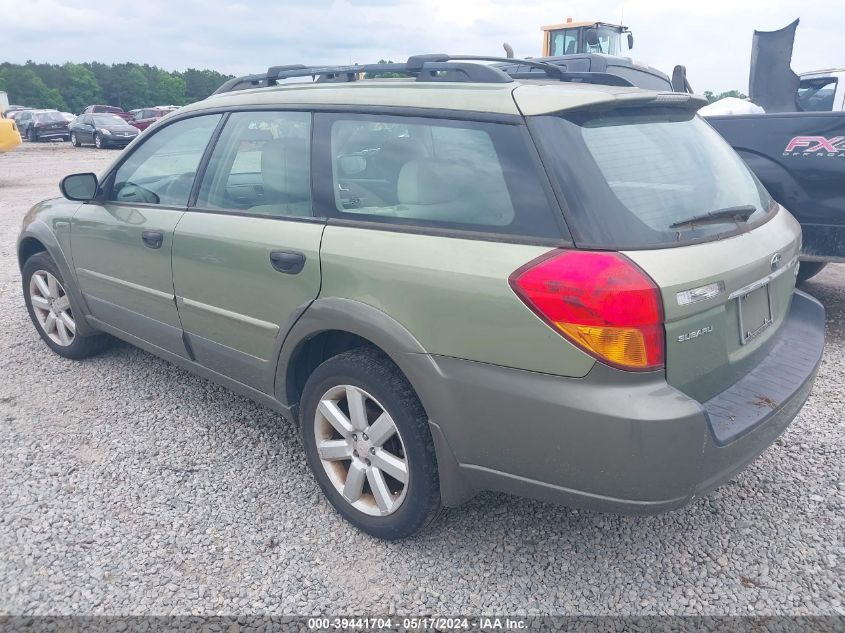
31 136
49 306
808 270
367 442
98 141
74 140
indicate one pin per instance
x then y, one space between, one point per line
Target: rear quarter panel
451 294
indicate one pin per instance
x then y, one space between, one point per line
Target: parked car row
98 125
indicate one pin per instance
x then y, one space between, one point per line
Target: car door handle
152 238
289 262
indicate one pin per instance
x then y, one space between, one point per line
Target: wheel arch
38 238
342 322
331 326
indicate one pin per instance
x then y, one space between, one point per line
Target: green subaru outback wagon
456 281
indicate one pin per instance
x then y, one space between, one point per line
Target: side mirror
79 187
630 41
592 37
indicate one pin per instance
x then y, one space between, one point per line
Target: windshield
609 42
641 170
816 95
46 117
108 119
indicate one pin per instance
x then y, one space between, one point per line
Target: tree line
71 87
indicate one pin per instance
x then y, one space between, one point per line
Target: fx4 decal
815 146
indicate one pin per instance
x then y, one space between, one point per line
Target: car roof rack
424 68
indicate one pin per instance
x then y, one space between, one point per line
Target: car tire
370 468
52 311
74 140
31 136
98 141
808 270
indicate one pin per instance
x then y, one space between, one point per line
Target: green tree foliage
24 87
201 83
79 87
384 75
72 87
730 93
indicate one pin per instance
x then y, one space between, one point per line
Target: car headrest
285 169
429 181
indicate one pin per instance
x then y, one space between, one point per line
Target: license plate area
755 313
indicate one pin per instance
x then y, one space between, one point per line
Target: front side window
636 177
162 169
260 165
440 173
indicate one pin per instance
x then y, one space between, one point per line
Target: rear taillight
601 302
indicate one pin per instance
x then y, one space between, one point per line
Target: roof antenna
508 50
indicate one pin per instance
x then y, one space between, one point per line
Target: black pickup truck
797 148
800 158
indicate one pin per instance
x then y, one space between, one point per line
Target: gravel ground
132 487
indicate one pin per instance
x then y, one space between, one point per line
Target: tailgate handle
289 262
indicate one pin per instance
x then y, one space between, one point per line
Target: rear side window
632 177
462 175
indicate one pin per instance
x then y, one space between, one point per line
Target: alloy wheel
361 450
51 306
97 142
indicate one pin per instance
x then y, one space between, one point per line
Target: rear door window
261 165
632 177
463 175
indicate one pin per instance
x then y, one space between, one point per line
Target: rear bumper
616 441
45 135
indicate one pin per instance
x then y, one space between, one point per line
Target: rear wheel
808 270
52 313
367 442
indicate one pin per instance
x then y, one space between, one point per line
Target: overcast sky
711 37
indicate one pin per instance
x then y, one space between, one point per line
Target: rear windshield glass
816 95
629 175
49 117
108 119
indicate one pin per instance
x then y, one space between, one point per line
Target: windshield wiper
728 214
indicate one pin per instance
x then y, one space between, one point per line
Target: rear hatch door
657 183
723 302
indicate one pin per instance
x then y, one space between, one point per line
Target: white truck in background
4 102
822 91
